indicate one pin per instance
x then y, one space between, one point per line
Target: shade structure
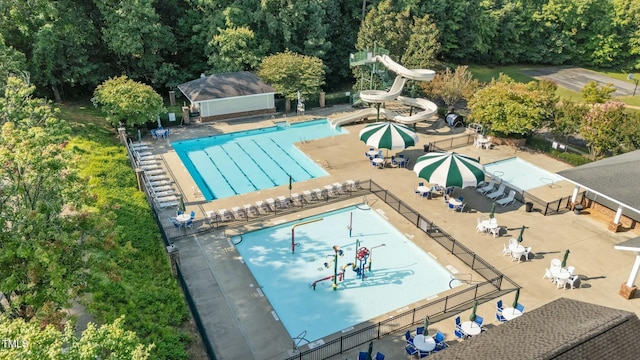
493 210
472 317
515 299
449 169
520 236
389 135
564 259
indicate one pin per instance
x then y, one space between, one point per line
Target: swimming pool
520 173
401 273
246 161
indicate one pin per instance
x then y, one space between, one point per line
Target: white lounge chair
211 217
237 212
251 210
487 187
510 199
225 215
153 172
262 207
498 193
271 204
296 199
161 204
308 195
318 193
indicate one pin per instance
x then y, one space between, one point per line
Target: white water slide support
429 109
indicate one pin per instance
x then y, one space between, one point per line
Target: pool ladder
299 338
464 281
547 181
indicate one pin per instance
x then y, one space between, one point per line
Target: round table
377 161
423 189
470 328
424 343
510 313
455 202
183 217
563 274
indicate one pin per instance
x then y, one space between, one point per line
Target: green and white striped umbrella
389 135
449 169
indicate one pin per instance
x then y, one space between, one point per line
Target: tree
289 73
12 62
513 109
386 27
594 93
567 119
600 127
452 87
236 49
30 341
423 46
41 222
127 101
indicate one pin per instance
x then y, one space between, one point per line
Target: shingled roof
561 329
220 86
615 177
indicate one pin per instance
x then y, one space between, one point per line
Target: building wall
235 105
609 214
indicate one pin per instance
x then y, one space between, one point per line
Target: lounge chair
154 172
225 215
237 212
163 205
498 193
271 204
510 199
262 207
318 193
250 210
211 217
308 196
296 199
283 202
486 188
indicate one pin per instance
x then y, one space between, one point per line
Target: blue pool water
246 161
401 273
520 173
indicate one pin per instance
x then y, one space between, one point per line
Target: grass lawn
486 74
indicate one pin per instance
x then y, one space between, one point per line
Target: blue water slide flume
241 183
288 155
211 174
252 154
247 165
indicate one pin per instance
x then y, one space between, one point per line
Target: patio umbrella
449 169
520 236
389 135
472 317
426 325
370 351
564 260
515 299
493 210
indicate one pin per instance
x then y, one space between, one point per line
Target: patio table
424 343
511 313
470 328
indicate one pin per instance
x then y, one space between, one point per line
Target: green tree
125 101
12 62
42 224
567 119
594 93
513 109
423 46
453 86
386 27
236 49
600 127
109 341
289 73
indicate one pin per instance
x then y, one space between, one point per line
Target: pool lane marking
290 157
272 159
239 168
213 162
256 163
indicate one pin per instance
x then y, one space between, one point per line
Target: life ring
362 253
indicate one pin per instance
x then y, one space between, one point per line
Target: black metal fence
435 309
454 142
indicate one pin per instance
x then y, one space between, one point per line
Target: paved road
574 78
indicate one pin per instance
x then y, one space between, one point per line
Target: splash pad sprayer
350 223
371 254
337 252
293 244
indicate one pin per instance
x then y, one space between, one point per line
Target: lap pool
397 272
246 161
520 173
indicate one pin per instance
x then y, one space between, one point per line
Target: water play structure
379 97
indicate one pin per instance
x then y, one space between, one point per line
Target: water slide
429 109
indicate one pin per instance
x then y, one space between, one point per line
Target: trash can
427 148
577 209
529 206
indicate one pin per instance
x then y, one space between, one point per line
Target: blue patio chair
439 339
401 156
450 190
499 317
459 333
420 184
426 194
499 306
451 206
175 222
420 330
363 355
460 208
193 215
379 356
458 323
153 134
410 349
407 336
478 320
178 212
461 198
520 307
422 354
189 224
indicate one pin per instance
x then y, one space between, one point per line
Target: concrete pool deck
239 321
